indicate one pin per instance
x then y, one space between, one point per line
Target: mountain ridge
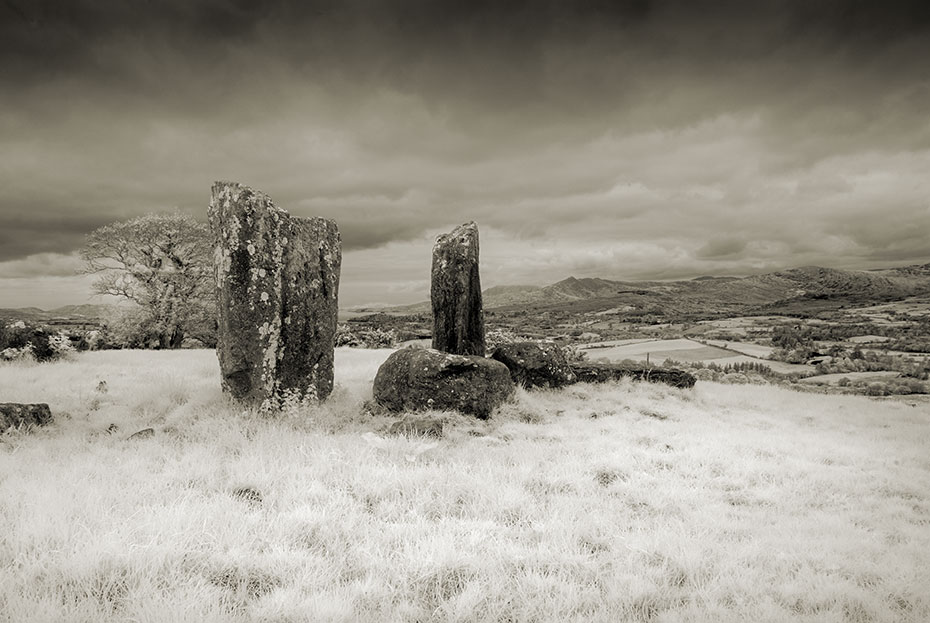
767 291
775 292
86 312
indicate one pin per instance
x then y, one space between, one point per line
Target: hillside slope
758 293
68 314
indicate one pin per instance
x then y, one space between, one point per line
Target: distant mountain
771 292
712 278
68 314
91 311
500 296
797 290
511 295
579 289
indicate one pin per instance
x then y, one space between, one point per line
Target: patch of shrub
792 355
703 374
573 354
739 372
365 338
735 378
19 341
894 387
499 337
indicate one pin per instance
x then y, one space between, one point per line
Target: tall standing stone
455 291
277 279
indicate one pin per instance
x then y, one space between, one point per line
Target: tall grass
620 502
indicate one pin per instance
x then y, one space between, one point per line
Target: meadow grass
614 502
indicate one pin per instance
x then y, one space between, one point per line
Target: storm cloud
640 139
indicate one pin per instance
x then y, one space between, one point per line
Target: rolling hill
794 290
66 315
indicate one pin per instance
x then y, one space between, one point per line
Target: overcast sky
625 140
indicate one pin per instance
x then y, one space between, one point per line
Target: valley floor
619 502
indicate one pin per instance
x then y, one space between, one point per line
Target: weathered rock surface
14 414
588 372
277 288
415 379
455 293
532 364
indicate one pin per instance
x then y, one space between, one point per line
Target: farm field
756 322
683 350
758 351
867 339
913 306
658 350
618 502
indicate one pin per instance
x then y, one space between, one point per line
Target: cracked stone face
277 279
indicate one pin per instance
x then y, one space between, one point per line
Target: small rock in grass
606 477
14 414
249 495
145 433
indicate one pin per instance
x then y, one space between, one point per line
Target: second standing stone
455 292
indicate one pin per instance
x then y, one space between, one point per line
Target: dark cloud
719 248
25 231
624 137
41 265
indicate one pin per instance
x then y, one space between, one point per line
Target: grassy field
620 502
689 351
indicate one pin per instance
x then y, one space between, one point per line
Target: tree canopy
162 263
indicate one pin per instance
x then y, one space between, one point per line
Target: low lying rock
589 372
249 495
145 433
14 414
417 379
532 364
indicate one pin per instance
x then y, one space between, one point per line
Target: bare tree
162 263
